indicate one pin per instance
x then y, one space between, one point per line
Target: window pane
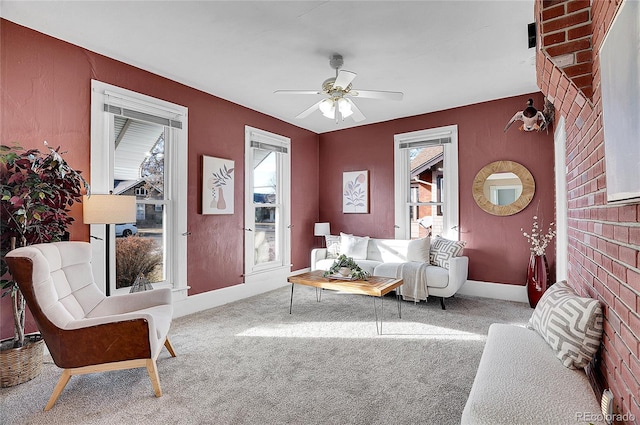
265 237
139 247
265 177
427 168
139 171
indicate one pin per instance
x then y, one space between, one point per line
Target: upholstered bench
535 374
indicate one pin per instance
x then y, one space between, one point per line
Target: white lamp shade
108 209
321 229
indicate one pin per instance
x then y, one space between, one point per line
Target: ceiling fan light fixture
327 108
345 107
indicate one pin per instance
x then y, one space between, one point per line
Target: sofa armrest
458 272
317 254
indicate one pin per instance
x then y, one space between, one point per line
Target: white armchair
84 330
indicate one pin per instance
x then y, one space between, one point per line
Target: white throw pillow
418 250
354 246
333 246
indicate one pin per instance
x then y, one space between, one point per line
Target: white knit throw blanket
414 275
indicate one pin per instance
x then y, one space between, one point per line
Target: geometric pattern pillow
333 246
570 324
442 250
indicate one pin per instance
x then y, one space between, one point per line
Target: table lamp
321 229
108 209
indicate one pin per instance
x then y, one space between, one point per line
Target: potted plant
36 193
346 267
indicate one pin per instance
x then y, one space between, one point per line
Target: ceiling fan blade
357 114
297 92
343 79
309 110
377 94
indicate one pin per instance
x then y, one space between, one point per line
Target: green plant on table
37 192
347 262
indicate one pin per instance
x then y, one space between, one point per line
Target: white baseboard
499 291
199 302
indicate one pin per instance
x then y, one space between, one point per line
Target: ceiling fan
338 105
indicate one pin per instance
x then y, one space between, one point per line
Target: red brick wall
604 240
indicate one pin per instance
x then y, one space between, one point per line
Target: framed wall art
620 85
355 192
217 185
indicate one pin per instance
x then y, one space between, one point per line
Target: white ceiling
441 54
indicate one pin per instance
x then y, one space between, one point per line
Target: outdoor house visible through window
426 183
139 149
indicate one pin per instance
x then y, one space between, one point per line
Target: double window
267 202
138 148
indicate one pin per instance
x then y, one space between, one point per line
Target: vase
222 204
537 278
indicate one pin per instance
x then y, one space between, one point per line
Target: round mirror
503 188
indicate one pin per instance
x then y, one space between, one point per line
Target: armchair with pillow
428 266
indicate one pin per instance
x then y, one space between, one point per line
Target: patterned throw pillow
571 325
333 246
442 250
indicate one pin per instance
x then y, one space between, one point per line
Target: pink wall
45 95
496 248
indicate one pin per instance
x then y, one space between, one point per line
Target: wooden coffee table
375 286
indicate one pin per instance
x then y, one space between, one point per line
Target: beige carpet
251 362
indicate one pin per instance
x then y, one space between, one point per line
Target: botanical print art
217 185
355 192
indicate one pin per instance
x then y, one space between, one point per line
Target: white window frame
102 158
283 230
402 170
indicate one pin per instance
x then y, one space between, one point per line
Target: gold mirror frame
528 187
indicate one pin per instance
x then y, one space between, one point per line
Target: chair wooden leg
62 382
153 375
167 344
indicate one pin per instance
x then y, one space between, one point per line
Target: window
139 148
426 183
267 203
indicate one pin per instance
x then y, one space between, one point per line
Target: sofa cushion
442 250
418 250
333 246
354 246
519 381
437 277
570 324
368 265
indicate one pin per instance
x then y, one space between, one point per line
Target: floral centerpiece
346 267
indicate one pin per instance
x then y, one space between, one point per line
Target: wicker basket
18 365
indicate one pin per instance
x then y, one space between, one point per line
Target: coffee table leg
291 302
375 311
399 306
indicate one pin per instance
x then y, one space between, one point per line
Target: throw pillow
570 324
418 250
442 250
354 246
333 246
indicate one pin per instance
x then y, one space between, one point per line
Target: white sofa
535 374
384 257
